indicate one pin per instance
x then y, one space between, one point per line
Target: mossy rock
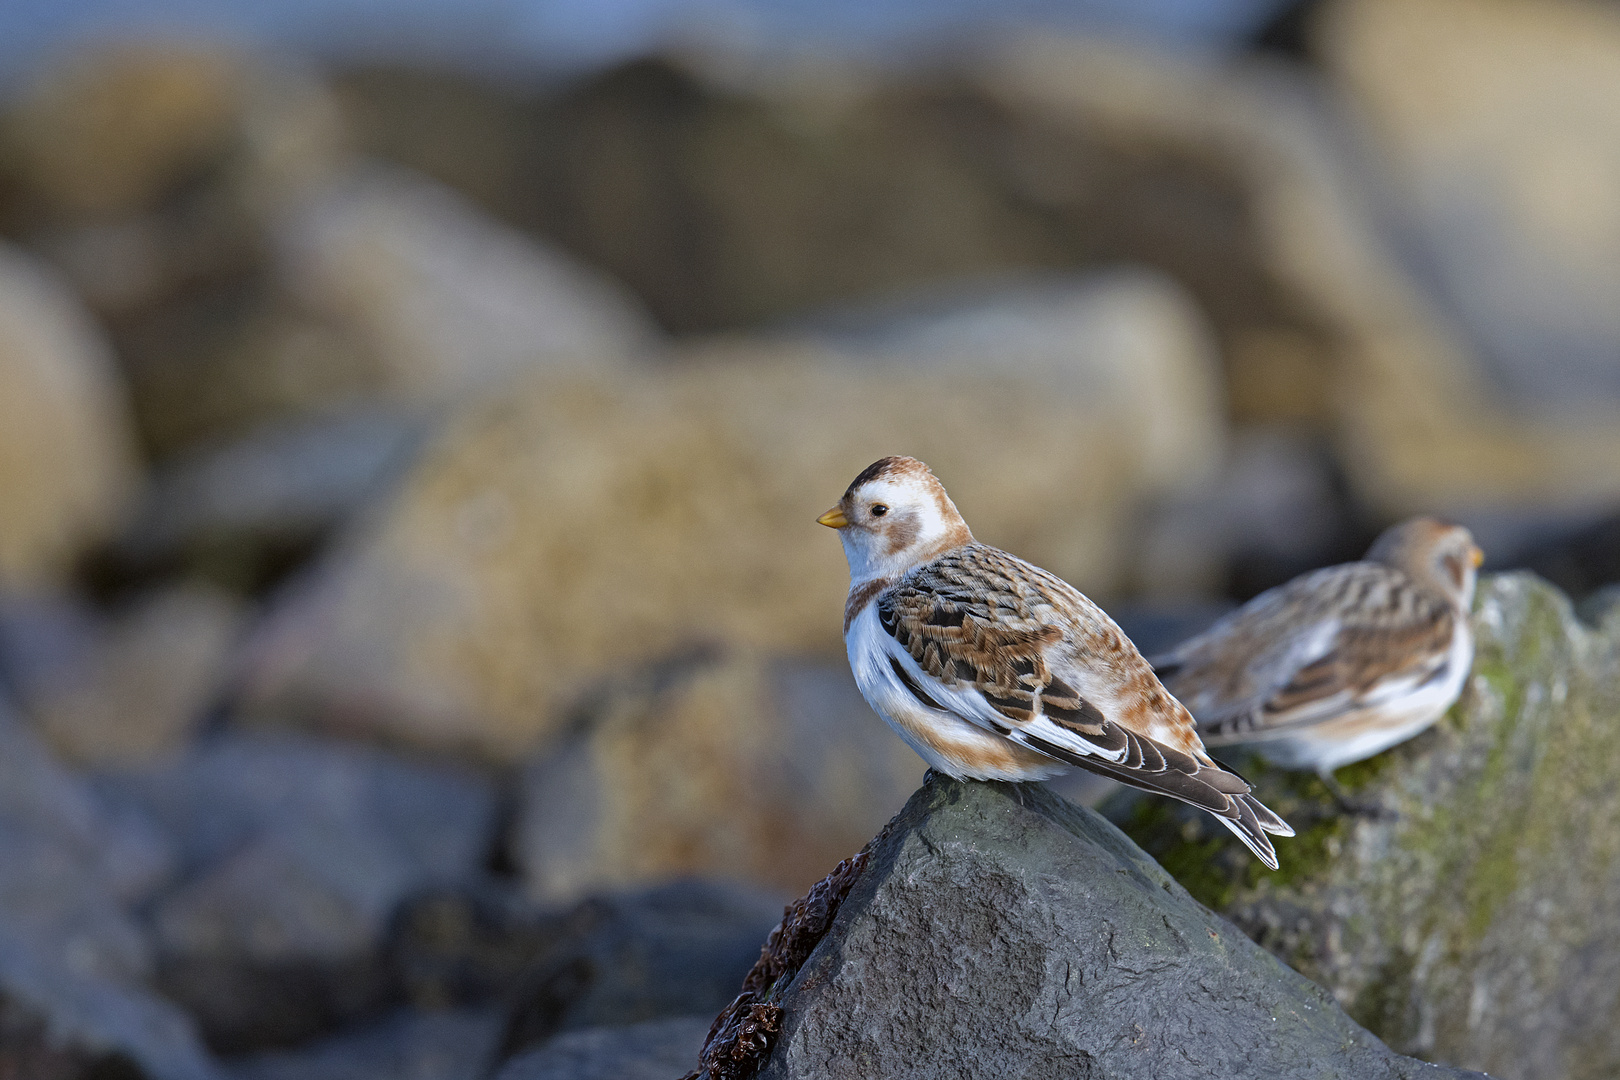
997 932
1474 918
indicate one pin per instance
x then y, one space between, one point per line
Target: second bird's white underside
1396 713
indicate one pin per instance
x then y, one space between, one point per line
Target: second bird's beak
1478 558
834 518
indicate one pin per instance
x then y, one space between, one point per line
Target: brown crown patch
889 468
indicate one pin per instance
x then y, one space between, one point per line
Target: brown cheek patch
901 531
1454 567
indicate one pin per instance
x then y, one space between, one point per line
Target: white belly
947 742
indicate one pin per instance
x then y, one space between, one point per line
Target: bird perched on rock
1340 663
993 669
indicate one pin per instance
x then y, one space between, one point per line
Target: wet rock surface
1471 915
999 931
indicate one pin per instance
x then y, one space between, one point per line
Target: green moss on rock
1476 920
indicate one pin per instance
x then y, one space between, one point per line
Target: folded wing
990 643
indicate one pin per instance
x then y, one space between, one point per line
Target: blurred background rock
413 418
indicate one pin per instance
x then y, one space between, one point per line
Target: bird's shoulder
996 588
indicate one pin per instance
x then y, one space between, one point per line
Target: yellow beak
1478 558
833 519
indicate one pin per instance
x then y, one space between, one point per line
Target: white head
1439 555
894 516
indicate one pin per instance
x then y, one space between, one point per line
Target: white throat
912 532
867 562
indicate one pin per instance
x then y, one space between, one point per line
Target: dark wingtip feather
1245 815
1269 821
1247 826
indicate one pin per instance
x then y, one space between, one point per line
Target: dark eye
878 509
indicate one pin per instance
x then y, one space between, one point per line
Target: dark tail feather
1248 818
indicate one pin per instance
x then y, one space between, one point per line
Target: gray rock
57 1023
122 688
678 950
265 952
655 1050
998 931
1476 918
470 944
69 864
409 1045
72 960
448 299
376 825
277 488
298 854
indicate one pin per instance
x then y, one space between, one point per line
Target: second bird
1341 663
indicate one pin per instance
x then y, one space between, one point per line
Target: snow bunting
993 669
1341 663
